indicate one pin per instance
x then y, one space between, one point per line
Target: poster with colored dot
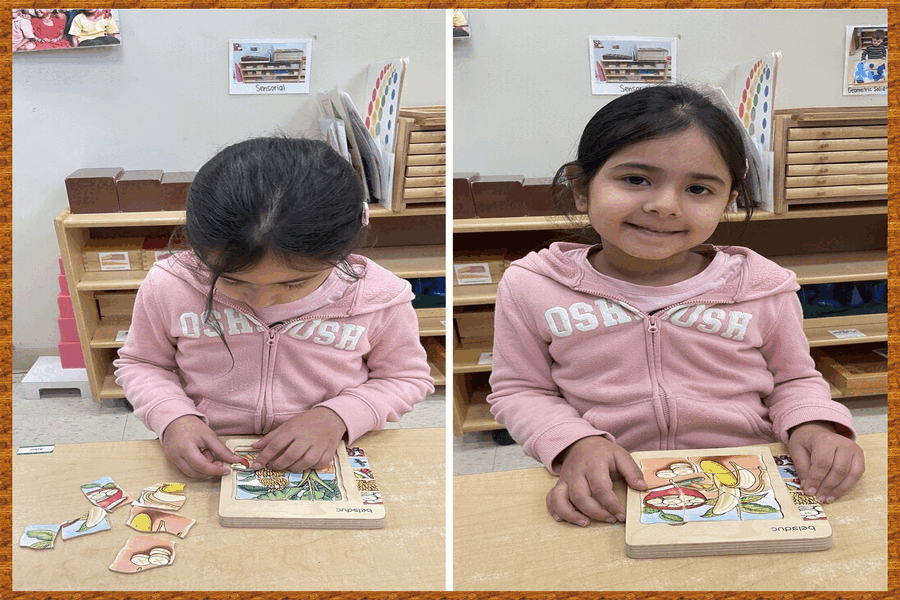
866 65
383 85
754 98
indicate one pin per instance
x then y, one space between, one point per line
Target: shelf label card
843 334
36 449
472 273
114 261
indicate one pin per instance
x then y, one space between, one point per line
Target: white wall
161 101
521 83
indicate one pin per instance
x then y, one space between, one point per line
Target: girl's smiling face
652 202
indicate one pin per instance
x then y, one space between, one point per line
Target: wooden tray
853 371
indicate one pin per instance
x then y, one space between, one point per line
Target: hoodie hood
376 288
757 278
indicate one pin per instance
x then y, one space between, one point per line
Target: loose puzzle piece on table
94 521
39 537
142 553
165 496
150 520
105 493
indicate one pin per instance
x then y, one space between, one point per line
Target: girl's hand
308 440
584 490
828 464
194 448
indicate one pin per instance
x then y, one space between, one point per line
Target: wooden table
407 554
504 539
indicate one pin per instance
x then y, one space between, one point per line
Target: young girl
269 325
49 28
647 339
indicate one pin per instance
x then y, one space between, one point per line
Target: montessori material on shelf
420 167
830 156
113 189
343 495
721 501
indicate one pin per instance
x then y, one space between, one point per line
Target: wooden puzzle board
719 501
330 498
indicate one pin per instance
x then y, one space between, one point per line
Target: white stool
48 374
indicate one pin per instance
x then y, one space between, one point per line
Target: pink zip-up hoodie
358 355
729 367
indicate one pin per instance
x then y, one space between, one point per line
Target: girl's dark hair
650 113
295 199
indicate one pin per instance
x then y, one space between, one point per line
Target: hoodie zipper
267 368
652 339
656 376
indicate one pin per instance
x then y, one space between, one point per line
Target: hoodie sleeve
524 397
800 394
146 364
399 376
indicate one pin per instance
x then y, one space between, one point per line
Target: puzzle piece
105 493
95 521
166 496
142 553
39 537
150 520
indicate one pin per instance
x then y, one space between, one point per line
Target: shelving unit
821 245
264 70
98 336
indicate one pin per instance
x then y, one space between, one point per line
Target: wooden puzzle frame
352 511
793 533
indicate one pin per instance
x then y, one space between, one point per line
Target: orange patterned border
893 278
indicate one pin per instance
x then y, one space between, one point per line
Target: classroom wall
161 101
521 83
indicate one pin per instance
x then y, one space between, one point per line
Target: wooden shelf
98 281
430 322
437 374
837 267
553 222
410 261
469 295
875 328
415 210
129 219
106 332
465 359
478 415
110 389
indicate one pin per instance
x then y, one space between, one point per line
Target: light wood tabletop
407 554
504 539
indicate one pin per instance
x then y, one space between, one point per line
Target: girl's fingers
845 471
561 509
591 498
602 491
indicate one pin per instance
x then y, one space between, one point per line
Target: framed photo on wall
865 64
269 66
622 64
36 29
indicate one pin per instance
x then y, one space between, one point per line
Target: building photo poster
269 66
622 64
